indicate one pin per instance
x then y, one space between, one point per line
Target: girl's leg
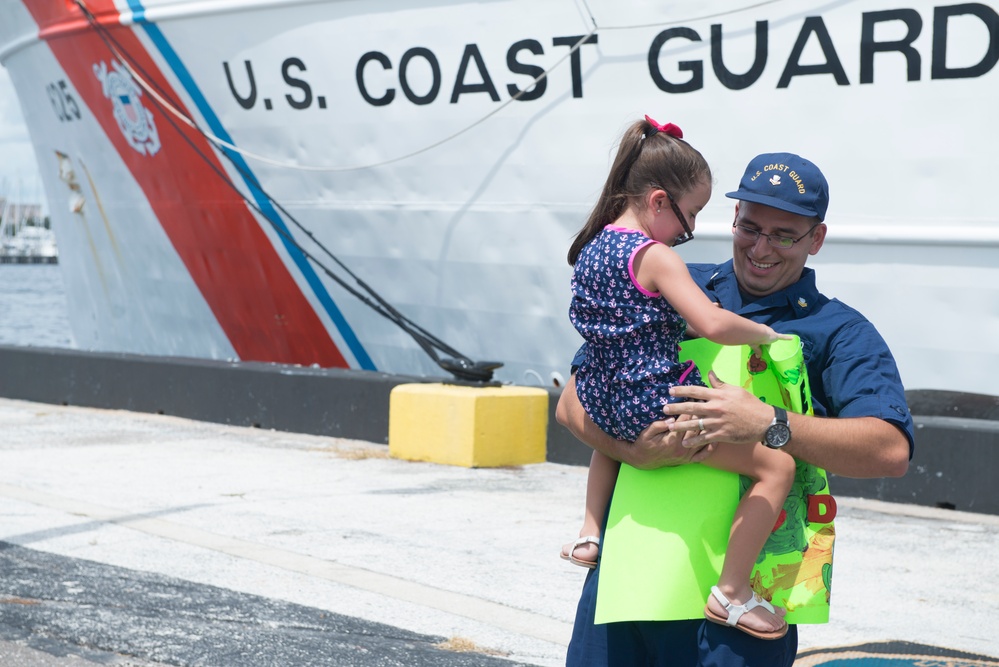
773 474
599 486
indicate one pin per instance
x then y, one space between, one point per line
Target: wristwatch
778 433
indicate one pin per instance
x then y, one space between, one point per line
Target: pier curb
320 401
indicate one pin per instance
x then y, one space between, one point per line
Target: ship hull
203 195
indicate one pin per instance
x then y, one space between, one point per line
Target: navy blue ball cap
785 181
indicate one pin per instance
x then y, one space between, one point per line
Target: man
779 222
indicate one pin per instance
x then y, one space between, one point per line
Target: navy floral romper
632 337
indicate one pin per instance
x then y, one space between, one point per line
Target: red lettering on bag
821 508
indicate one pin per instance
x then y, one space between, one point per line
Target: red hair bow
669 128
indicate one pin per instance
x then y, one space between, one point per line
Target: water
33 307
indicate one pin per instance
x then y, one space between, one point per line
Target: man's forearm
859 447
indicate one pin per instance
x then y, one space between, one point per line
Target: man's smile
761 265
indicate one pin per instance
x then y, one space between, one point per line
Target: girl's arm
658 268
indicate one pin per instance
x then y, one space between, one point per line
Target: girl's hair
646 158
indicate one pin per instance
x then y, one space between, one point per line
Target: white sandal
737 611
589 564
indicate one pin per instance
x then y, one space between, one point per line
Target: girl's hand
772 336
769 336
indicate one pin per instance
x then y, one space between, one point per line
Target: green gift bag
667 529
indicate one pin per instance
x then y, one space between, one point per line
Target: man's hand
657 446
725 412
660 445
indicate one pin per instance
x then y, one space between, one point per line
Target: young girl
632 299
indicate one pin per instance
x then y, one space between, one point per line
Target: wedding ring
700 424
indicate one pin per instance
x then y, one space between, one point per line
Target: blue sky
19 178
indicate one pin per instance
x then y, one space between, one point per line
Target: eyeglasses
776 240
687 234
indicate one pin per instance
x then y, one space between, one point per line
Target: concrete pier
312 550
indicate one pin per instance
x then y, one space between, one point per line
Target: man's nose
762 245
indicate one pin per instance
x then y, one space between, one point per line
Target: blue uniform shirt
851 371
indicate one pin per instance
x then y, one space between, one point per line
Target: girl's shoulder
623 232
656 259
623 237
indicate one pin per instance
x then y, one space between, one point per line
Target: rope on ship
459 365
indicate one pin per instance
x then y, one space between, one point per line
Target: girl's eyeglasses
687 235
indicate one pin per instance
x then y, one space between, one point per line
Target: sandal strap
736 611
588 539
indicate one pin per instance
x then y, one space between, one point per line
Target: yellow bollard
475 427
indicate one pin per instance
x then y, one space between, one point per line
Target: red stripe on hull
249 289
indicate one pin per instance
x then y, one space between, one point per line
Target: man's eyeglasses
687 234
776 240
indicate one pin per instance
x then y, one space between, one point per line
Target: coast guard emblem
134 120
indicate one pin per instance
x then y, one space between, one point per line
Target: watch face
778 434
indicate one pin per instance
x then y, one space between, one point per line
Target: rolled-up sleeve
861 378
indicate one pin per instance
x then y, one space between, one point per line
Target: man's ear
818 238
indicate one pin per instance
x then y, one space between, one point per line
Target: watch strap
780 415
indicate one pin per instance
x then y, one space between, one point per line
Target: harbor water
33 308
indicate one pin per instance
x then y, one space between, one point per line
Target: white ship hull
469 199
